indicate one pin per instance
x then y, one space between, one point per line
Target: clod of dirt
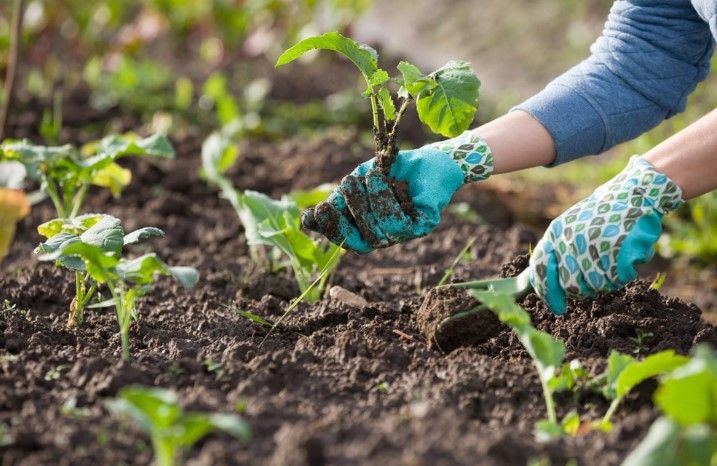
441 303
345 296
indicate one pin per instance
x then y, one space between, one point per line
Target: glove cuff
655 188
471 153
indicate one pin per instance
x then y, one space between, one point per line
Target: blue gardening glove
595 245
365 212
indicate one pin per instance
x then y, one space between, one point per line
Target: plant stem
123 319
401 111
52 192
164 452
12 62
374 111
450 270
78 200
549 403
611 410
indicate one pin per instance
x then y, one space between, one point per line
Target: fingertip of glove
308 219
555 296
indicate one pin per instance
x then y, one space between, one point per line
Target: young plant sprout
446 99
172 430
65 173
273 223
92 247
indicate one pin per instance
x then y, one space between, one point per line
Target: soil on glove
337 384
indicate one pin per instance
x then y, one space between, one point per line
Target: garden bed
336 384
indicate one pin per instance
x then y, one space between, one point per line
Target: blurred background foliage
179 64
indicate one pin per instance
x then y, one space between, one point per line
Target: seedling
624 373
640 339
65 173
446 99
271 223
461 256
171 429
546 352
92 247
686 434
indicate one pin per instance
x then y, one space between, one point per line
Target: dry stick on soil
11 71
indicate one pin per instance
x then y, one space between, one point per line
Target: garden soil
335 385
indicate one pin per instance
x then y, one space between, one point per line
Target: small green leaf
668 444
414 81
449 108
386 102
363 56
142 234
255 318
231 424
113 177
187 276
616 363
116 146
51 228
99 264
571 423
655 364
546 430
106 233
219 153
379 77
305 199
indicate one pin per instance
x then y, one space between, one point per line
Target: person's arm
689 157
650 57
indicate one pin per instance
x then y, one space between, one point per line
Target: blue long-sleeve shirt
650 57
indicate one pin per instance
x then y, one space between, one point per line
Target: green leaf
414 81
449 108
305 199
231 424
546 430
364 57
616 363
141 235
113 177
255 318
143 270
546 351
99 264
379 77
156 145
51 228
386 102
571 423
107 233
219 153
698 378
668 444
151 408
187 276
655 364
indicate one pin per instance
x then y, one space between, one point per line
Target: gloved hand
364 212
595 245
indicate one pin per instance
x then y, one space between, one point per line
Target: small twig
402 334
12 62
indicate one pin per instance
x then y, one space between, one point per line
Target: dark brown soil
337 385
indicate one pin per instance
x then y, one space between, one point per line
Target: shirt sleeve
649 58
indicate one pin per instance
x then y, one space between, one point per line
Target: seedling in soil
99 230
446 99
271 223
686 434
171 429
624 373
461 256
66 173
640 339
93 250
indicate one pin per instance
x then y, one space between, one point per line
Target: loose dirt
336 385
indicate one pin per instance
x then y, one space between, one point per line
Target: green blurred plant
66 173
272 223
686 433
172 430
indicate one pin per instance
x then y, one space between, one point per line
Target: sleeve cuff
577 128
